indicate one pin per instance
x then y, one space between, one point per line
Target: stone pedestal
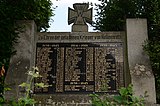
142 77
22 61
79 28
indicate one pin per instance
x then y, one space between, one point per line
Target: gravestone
79 63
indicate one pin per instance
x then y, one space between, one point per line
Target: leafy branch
125 98
27 100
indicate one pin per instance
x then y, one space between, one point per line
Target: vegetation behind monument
112 14
12 10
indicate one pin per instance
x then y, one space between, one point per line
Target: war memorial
79 62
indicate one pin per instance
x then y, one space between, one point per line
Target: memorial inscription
80 67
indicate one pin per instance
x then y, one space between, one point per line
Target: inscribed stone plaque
80 67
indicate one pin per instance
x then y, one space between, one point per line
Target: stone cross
79 16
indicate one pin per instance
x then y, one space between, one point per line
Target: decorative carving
80 15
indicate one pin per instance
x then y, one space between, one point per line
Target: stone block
79 28
22 61
142 77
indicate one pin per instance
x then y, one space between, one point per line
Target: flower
2 71
35 68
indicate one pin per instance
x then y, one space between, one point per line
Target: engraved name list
80 67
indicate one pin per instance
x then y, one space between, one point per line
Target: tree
12 10
112 14
152 47
38 10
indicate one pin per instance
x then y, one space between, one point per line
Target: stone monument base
79 28
63 100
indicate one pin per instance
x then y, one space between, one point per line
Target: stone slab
142 77
107 41
22 61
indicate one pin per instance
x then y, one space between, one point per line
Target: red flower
2 71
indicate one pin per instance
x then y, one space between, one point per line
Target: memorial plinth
75 64
92 62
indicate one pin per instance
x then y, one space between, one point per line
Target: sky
59 22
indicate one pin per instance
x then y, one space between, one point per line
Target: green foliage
26 100
38 10
152 46
124 98
97 101
1 100
112 14
42 85
12 10
153 50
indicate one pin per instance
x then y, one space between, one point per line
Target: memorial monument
78 63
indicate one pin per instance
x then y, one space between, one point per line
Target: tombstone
79 63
